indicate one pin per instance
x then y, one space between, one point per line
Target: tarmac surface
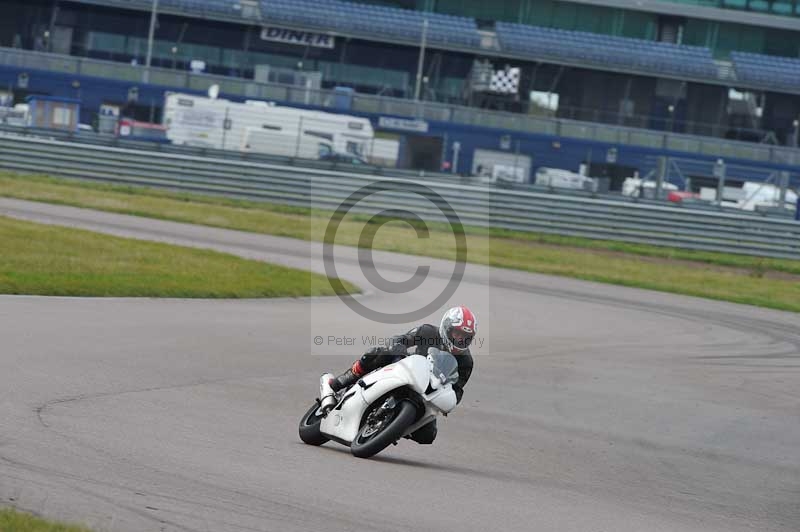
592 408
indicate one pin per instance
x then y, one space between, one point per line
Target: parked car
640 188
346 158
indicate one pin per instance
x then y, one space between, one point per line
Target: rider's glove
375 351
398 350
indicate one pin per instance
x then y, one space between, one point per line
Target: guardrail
482 206
82 137
99 139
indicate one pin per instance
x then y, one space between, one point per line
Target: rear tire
367 444
309 427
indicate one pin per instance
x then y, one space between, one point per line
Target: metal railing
678 171
395 106
481 206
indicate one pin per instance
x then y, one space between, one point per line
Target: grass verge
773 283
14 521
38 259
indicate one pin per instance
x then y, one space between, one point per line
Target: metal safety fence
475 205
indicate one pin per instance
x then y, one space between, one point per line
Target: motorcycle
383 406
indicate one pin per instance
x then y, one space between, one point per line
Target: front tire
372 438
309 427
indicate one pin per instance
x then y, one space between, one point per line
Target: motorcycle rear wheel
309 427
371 440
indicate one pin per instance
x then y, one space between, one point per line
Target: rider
454 335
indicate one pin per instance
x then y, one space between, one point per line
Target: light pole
150 36
421 62
671 110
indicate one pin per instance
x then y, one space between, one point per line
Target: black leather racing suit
422 337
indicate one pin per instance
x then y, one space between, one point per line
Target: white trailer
262 127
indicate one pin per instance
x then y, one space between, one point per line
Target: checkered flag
505 81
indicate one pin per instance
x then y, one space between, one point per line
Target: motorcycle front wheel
382 427
309 427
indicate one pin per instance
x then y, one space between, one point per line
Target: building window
62 116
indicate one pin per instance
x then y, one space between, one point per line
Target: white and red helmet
458 328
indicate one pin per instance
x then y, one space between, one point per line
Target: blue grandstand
780 72
206 8
225 7
554 44
388 22
610 51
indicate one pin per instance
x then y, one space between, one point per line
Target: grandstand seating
532 42
406 25
615 52
207 8
225 7
388 22
778 72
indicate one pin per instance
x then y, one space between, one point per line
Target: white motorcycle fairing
344 421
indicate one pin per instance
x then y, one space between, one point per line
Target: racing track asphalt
592 408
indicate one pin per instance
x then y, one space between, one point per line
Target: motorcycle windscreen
444 366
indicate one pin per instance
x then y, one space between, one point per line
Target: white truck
262 127
558 178
756 195
635 187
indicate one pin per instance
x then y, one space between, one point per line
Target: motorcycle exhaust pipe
326 395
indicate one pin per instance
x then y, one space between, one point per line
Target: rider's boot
348 378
